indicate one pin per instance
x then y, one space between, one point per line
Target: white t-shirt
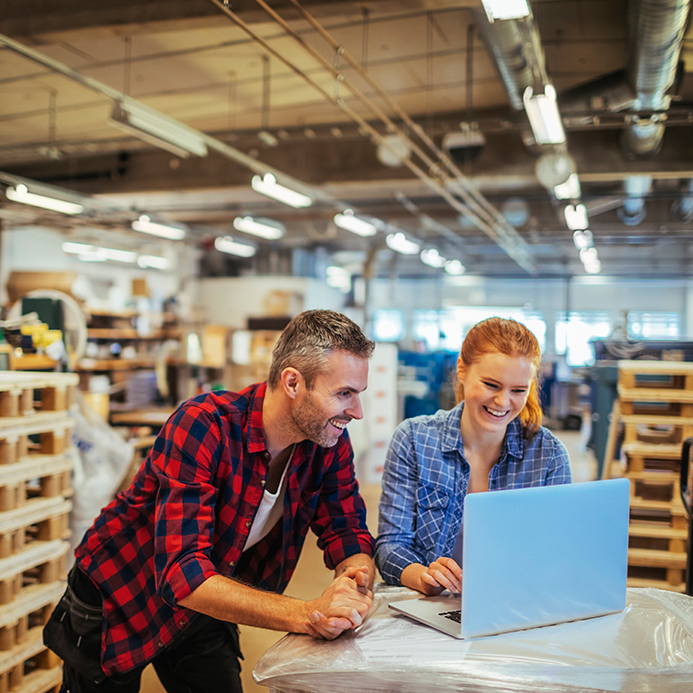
269 511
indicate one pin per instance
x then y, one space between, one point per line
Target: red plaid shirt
187 515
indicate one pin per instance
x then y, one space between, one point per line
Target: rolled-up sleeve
397 523
340 519
184 512
559 471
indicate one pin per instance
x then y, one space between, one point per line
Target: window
659 325
444 330
388 325
574 332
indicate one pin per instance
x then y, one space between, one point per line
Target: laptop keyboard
455 616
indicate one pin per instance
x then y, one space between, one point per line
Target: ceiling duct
655 36
633 211
515 47
682 209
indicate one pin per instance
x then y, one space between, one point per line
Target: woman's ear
461 369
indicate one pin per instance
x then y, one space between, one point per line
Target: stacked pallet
656 401
35 432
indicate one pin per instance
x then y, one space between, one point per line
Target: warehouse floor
311 577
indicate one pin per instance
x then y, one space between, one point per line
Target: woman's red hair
509 337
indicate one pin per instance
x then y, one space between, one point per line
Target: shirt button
266 455
262 483
232 563
183 621
248 523
159 644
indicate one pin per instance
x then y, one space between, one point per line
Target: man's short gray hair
310 337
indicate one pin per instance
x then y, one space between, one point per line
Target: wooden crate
657 388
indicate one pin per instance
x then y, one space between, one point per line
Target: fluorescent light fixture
576 217
145 225
589 256
350 222
542 111
267 185
153 262
400 243
264 228
593 268
92 253
432 258
157 129
454 267
506 9
338 278
583 239
21 193
570 190
77 248
226 244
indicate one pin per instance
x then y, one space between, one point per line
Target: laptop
535 557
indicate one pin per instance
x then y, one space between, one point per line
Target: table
647 647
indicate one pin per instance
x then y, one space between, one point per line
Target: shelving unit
118 349
35 432
656 403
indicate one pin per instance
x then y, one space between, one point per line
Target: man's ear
292 381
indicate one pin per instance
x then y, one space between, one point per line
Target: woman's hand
443 573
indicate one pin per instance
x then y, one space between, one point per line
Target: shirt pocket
432 507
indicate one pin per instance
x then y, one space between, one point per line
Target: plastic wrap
647 648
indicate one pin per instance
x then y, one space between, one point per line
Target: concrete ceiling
190 60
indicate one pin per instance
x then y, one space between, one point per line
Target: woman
492 440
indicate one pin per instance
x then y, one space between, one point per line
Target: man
210 531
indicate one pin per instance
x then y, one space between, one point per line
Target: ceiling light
145 225
506 9
92 253
432 258
152 261
454 267
264 228
399 242
589 256
21 193
350 222
226 244
157 129
338 278
267 138
542 111
583 239
267 185
593 268
576 217
570 190
77 248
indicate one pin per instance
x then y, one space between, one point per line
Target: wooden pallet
49 433
22 393
40 562
39 518
29 667
34 475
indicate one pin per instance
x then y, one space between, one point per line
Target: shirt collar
451 438
254 428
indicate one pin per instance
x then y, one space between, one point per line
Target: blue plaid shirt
425 484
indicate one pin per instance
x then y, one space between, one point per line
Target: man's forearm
228 600
358 560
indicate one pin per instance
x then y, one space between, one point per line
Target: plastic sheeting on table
647 648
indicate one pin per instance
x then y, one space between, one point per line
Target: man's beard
310 420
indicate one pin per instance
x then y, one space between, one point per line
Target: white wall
232 300
102 284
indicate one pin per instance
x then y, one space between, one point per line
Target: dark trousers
204 659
